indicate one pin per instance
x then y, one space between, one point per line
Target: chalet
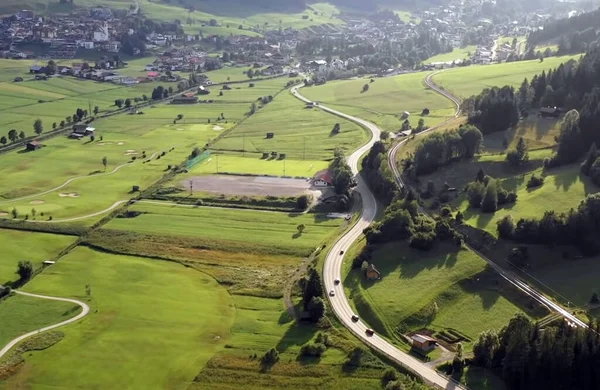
423 343
549 112
322 179
372 273
185 100
33 145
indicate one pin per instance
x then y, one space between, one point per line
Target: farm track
509 276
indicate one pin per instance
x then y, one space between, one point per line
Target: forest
527 357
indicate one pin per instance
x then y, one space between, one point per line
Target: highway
510 276
335 257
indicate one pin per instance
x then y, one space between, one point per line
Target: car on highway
332 293
337 281
370 332
355 318
341 252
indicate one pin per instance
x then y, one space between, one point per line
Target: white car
332 293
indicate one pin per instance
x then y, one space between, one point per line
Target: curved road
85 310
334 260
510 276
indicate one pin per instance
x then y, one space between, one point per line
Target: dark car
355 318
337 281
341 252
370 332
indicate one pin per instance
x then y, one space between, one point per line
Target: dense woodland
575 35
554 358
376 170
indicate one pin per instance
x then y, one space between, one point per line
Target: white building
101 34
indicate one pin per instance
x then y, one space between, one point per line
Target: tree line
439 149
578 227
527 357
378 174
487 193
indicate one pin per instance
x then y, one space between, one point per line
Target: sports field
176 318
468 299
242 226
35 247
471 80
301 133
385 101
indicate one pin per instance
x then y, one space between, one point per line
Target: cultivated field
385 101
173 316
35 247
252 227
471 80
468 297
300 133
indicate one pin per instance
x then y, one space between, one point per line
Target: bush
25 269
313 350
302 202
535 181
389 375
422 240
270 357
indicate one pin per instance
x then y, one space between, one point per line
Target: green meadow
471 80
35 247
301 133
457 54
455 279
120 139
385 101
564 188
153 324
242 226
21 314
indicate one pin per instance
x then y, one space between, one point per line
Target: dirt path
85 310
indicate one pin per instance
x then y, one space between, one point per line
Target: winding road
335 257
510 276
85 309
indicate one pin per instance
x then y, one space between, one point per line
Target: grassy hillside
385 101
471 80
457 54
469 297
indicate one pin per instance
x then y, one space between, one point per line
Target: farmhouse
81 130
33 145
423 343
322 179
549 112
372 272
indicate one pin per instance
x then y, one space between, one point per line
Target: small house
270 135
33 145
423 343
549 112
202 90
322 179
372 273
310 105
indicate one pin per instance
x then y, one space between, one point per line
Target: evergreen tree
591 158
489 203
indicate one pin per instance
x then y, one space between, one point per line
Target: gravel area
248 185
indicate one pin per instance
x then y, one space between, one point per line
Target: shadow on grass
296 335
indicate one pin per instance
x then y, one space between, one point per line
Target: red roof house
322 178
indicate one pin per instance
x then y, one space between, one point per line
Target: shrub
25 269
389 375
302 202
313 350
270 357
535 181
422 240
